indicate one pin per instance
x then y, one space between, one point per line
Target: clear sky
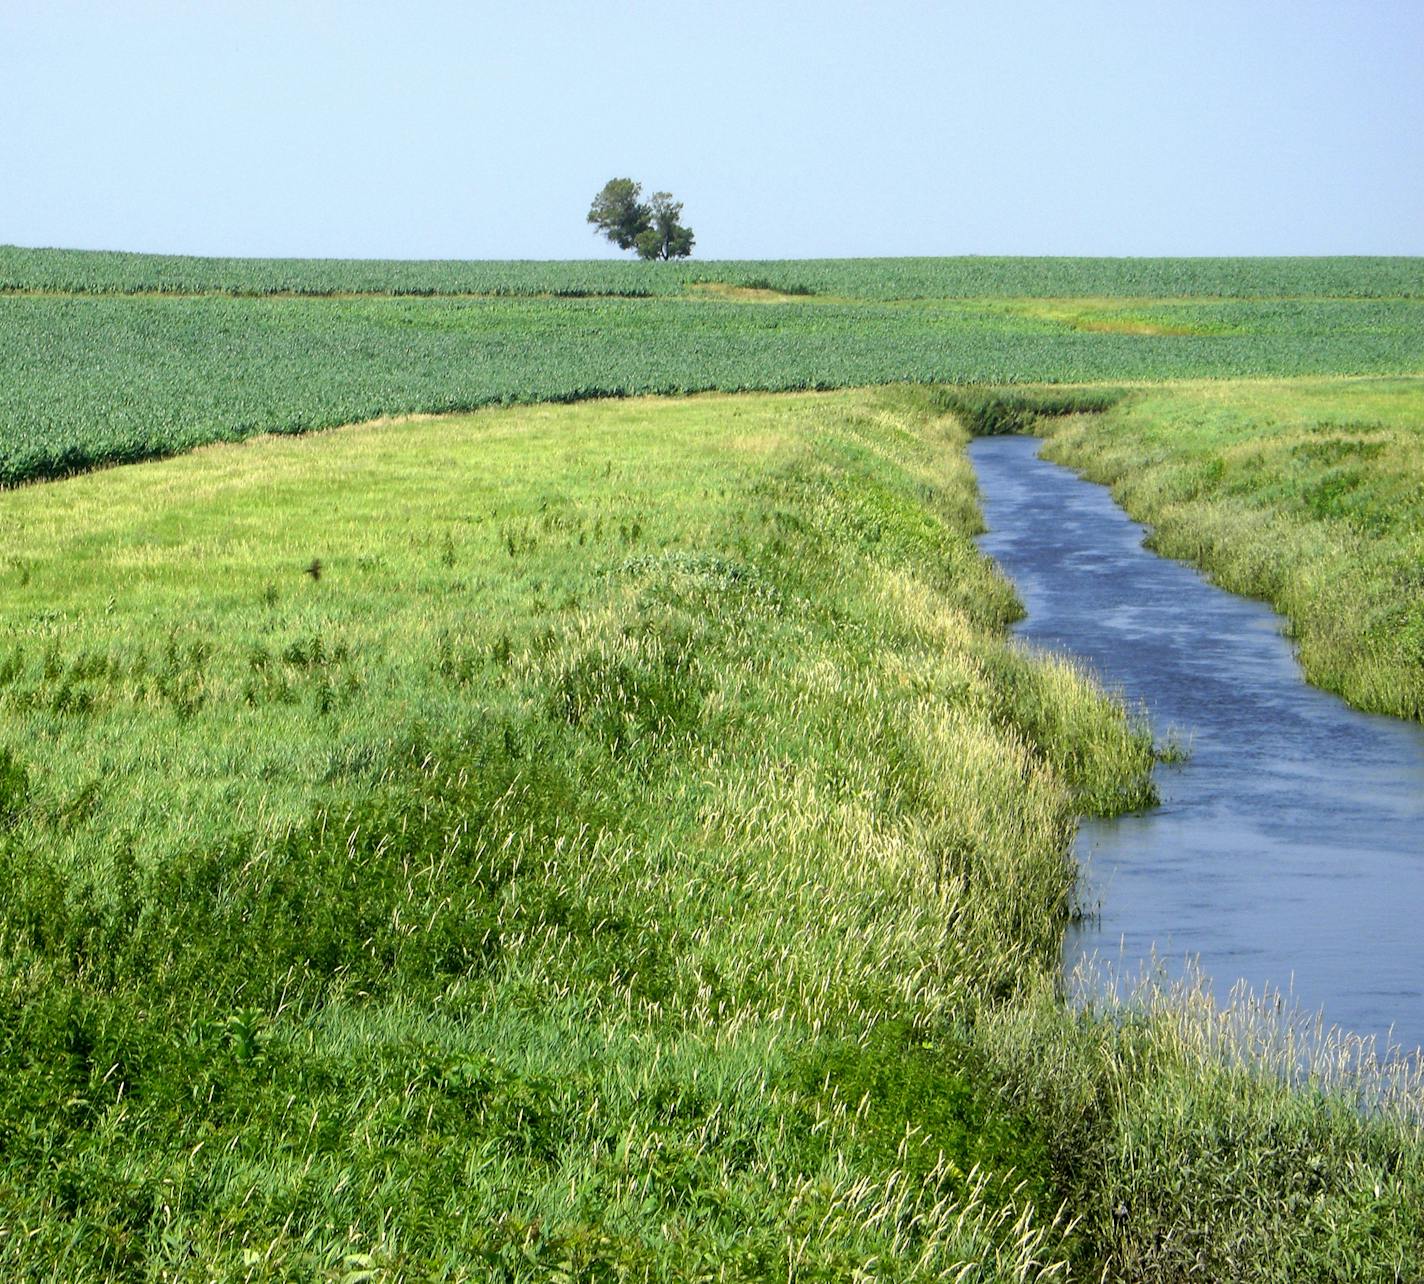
435 128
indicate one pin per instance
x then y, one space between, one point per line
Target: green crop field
95 370
985 276
618 841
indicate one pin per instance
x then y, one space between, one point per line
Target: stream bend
1288 851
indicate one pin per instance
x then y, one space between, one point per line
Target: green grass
599 868
1233 1144
1308 493
639 854
97 368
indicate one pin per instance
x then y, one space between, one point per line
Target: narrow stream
1288 851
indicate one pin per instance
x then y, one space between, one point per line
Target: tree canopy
651 228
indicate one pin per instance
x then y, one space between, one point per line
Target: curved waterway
1288 851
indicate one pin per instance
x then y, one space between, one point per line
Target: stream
1288 850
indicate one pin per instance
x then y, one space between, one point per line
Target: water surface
1288 851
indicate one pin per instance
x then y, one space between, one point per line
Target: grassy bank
599 866
1308 493
611 841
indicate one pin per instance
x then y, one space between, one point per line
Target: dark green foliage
14 787
296 920
87 380
647 694
620 214
922 1100
784 287
652 227
664 237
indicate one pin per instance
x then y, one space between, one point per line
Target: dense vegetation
419 915
637 853
617 841
1308 493
88 380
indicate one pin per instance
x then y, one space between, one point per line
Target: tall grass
1242 1142
1234 1143
598 869
637 854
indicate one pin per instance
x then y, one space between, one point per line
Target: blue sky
470 130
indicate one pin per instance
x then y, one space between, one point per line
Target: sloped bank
1308 493
601 841
575 840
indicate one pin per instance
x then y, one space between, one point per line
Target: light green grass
1309 493
599 868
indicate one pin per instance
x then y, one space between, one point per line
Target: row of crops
81 271
91 379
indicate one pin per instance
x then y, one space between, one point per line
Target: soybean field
108 358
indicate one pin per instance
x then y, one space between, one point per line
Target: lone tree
652 228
